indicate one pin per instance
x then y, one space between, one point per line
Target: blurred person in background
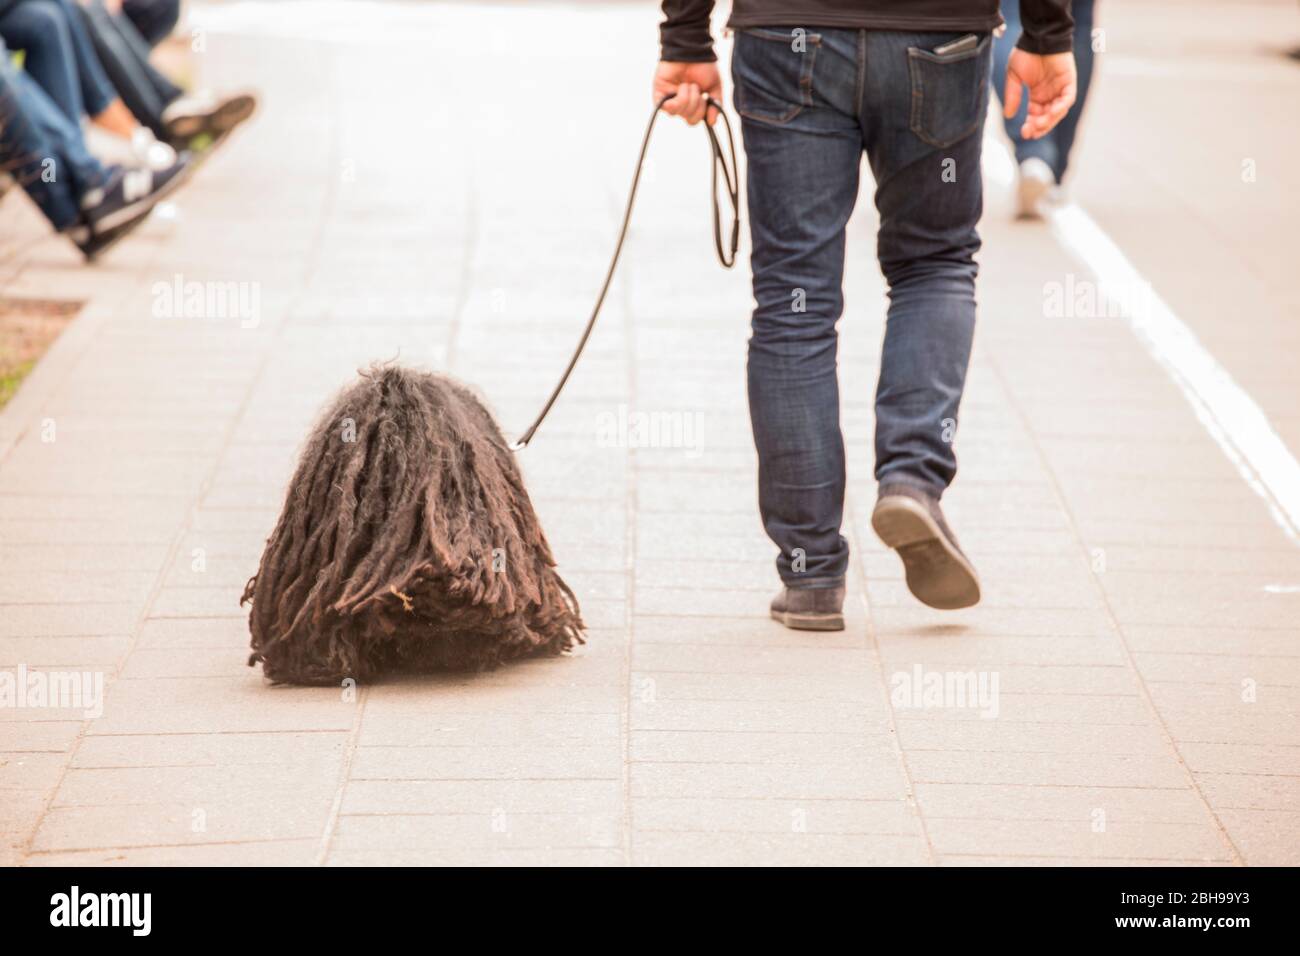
817 84
94 205
123 33
59 56
1043 161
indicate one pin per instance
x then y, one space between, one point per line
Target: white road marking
1232 418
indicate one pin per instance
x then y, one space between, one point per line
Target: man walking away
817 83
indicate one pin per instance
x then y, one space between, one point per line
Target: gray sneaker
810 609
938 573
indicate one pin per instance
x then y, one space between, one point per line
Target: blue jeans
153 19
811 102
125 55
1054 148
43 149
59 55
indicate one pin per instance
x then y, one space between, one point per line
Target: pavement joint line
1219 684
162 846
486 779
631 513
465 813
720 831
878 660
1244 773
782 733
1092 859
1117 629
214 733
329 830
1074 820
1138 788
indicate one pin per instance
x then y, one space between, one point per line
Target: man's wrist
1058 43
673 55
686 43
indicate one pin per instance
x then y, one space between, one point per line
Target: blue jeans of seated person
125 56
1054 148
42 149
812 102
59 55
153 19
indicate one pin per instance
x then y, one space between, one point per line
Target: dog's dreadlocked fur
408 545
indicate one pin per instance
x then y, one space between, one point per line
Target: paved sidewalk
1141 602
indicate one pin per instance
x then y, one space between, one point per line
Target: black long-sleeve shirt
684 35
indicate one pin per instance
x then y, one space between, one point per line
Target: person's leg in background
922 124
62 60
92 204
146 92
1062 135
803 149
1043 162
154 20
156 101
55 172
98 94
40 29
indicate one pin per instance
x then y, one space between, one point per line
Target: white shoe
1036 182
150 153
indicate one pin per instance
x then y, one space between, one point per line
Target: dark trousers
154 20
812 101
125 55
42 149
59 55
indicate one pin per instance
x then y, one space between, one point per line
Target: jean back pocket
949 92
773 72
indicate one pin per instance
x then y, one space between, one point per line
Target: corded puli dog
407 540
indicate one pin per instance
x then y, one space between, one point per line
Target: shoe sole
231 113
217 123
809 622
111 237
937 573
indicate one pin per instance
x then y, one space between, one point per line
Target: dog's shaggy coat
407 542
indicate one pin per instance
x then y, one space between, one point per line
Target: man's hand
1051 81
691 82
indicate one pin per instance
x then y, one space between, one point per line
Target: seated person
153 99
92 204
60 58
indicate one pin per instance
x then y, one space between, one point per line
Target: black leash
725 256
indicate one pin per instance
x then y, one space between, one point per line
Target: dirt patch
27 328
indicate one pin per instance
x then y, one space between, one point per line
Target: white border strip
1229 414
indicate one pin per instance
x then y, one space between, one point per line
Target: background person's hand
691 82
1052 84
